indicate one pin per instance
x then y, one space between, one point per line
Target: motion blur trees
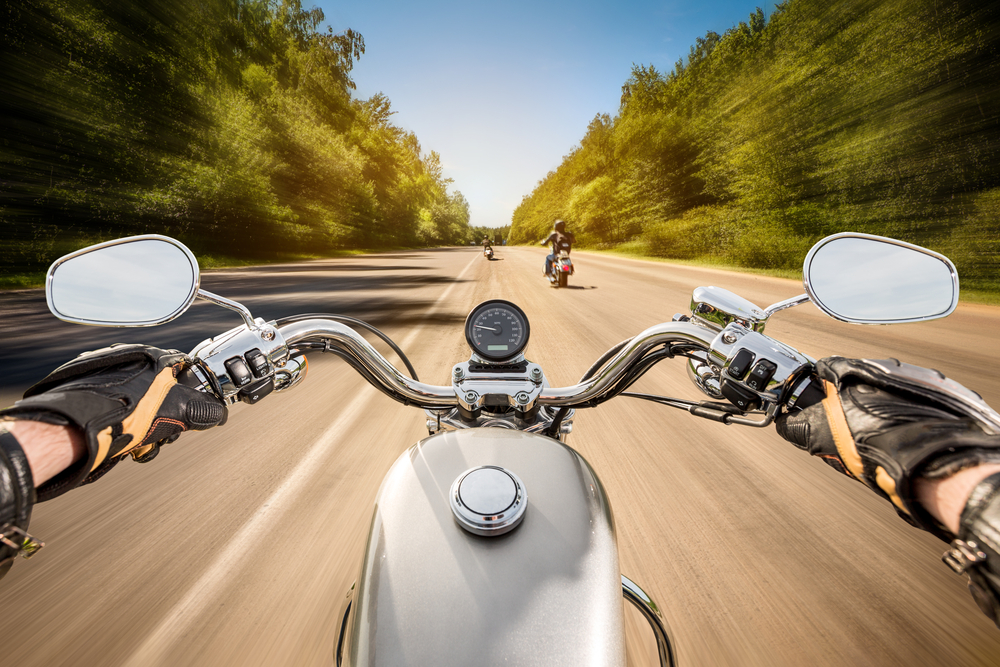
878 116
229 124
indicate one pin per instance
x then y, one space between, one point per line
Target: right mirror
868 279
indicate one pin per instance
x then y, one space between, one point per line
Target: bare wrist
49 448
945 498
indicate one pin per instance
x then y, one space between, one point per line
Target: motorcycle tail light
566 268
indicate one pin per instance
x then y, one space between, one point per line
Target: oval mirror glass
139 281
868 279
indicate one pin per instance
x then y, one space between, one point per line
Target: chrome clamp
19 540
962 556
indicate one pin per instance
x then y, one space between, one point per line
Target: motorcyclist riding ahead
561 240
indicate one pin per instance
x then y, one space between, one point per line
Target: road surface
236 546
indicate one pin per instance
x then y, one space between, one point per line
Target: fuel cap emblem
488 500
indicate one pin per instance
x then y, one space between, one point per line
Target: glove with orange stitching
885 424
126 399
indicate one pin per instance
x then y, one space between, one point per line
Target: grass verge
973 294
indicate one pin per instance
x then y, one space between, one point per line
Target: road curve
236 546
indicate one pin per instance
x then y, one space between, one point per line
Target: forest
228 124
876 116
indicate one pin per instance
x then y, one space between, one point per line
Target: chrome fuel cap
488 500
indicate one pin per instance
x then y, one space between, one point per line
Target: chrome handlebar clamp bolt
458 373
522 398
471 397
536 374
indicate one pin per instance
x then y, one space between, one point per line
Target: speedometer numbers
497 330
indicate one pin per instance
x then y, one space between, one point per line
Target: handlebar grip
197 378
811 395
188 378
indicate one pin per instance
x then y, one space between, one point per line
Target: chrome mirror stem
231 305
787 303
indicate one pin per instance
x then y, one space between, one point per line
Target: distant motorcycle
562 269
488 252
493 542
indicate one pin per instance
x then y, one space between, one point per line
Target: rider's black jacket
560 241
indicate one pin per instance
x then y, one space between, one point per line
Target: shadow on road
319 267
35 342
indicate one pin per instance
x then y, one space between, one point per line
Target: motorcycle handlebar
408 390
378 367
616 368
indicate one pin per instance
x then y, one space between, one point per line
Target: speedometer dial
497 330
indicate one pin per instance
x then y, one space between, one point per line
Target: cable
561 413
355 321
604 359
650 359
361 370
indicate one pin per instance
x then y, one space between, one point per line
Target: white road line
178 621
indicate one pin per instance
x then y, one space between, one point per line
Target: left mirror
140 281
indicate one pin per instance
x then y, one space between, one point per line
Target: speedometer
497 330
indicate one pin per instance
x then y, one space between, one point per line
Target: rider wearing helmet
486 243
561 240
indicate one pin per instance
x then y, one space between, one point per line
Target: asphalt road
236 546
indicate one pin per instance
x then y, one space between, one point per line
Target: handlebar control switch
257 391
238 372
743 398
740 363
761 374
258 363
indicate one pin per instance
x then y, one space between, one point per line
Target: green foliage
497 235
229 124
878 116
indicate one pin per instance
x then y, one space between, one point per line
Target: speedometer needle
479 326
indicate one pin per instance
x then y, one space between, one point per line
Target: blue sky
504 90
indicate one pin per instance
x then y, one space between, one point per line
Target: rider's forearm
946 498
968 504
49 448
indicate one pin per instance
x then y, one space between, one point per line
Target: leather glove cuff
17 497
976 551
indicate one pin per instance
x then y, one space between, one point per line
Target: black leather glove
17 496
126 399
886 423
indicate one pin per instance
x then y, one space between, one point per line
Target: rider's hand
887 429
126 399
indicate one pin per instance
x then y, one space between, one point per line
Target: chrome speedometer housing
497 330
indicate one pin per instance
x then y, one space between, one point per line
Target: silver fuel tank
546 593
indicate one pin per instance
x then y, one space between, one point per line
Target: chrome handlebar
378 366
617 366
410 390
